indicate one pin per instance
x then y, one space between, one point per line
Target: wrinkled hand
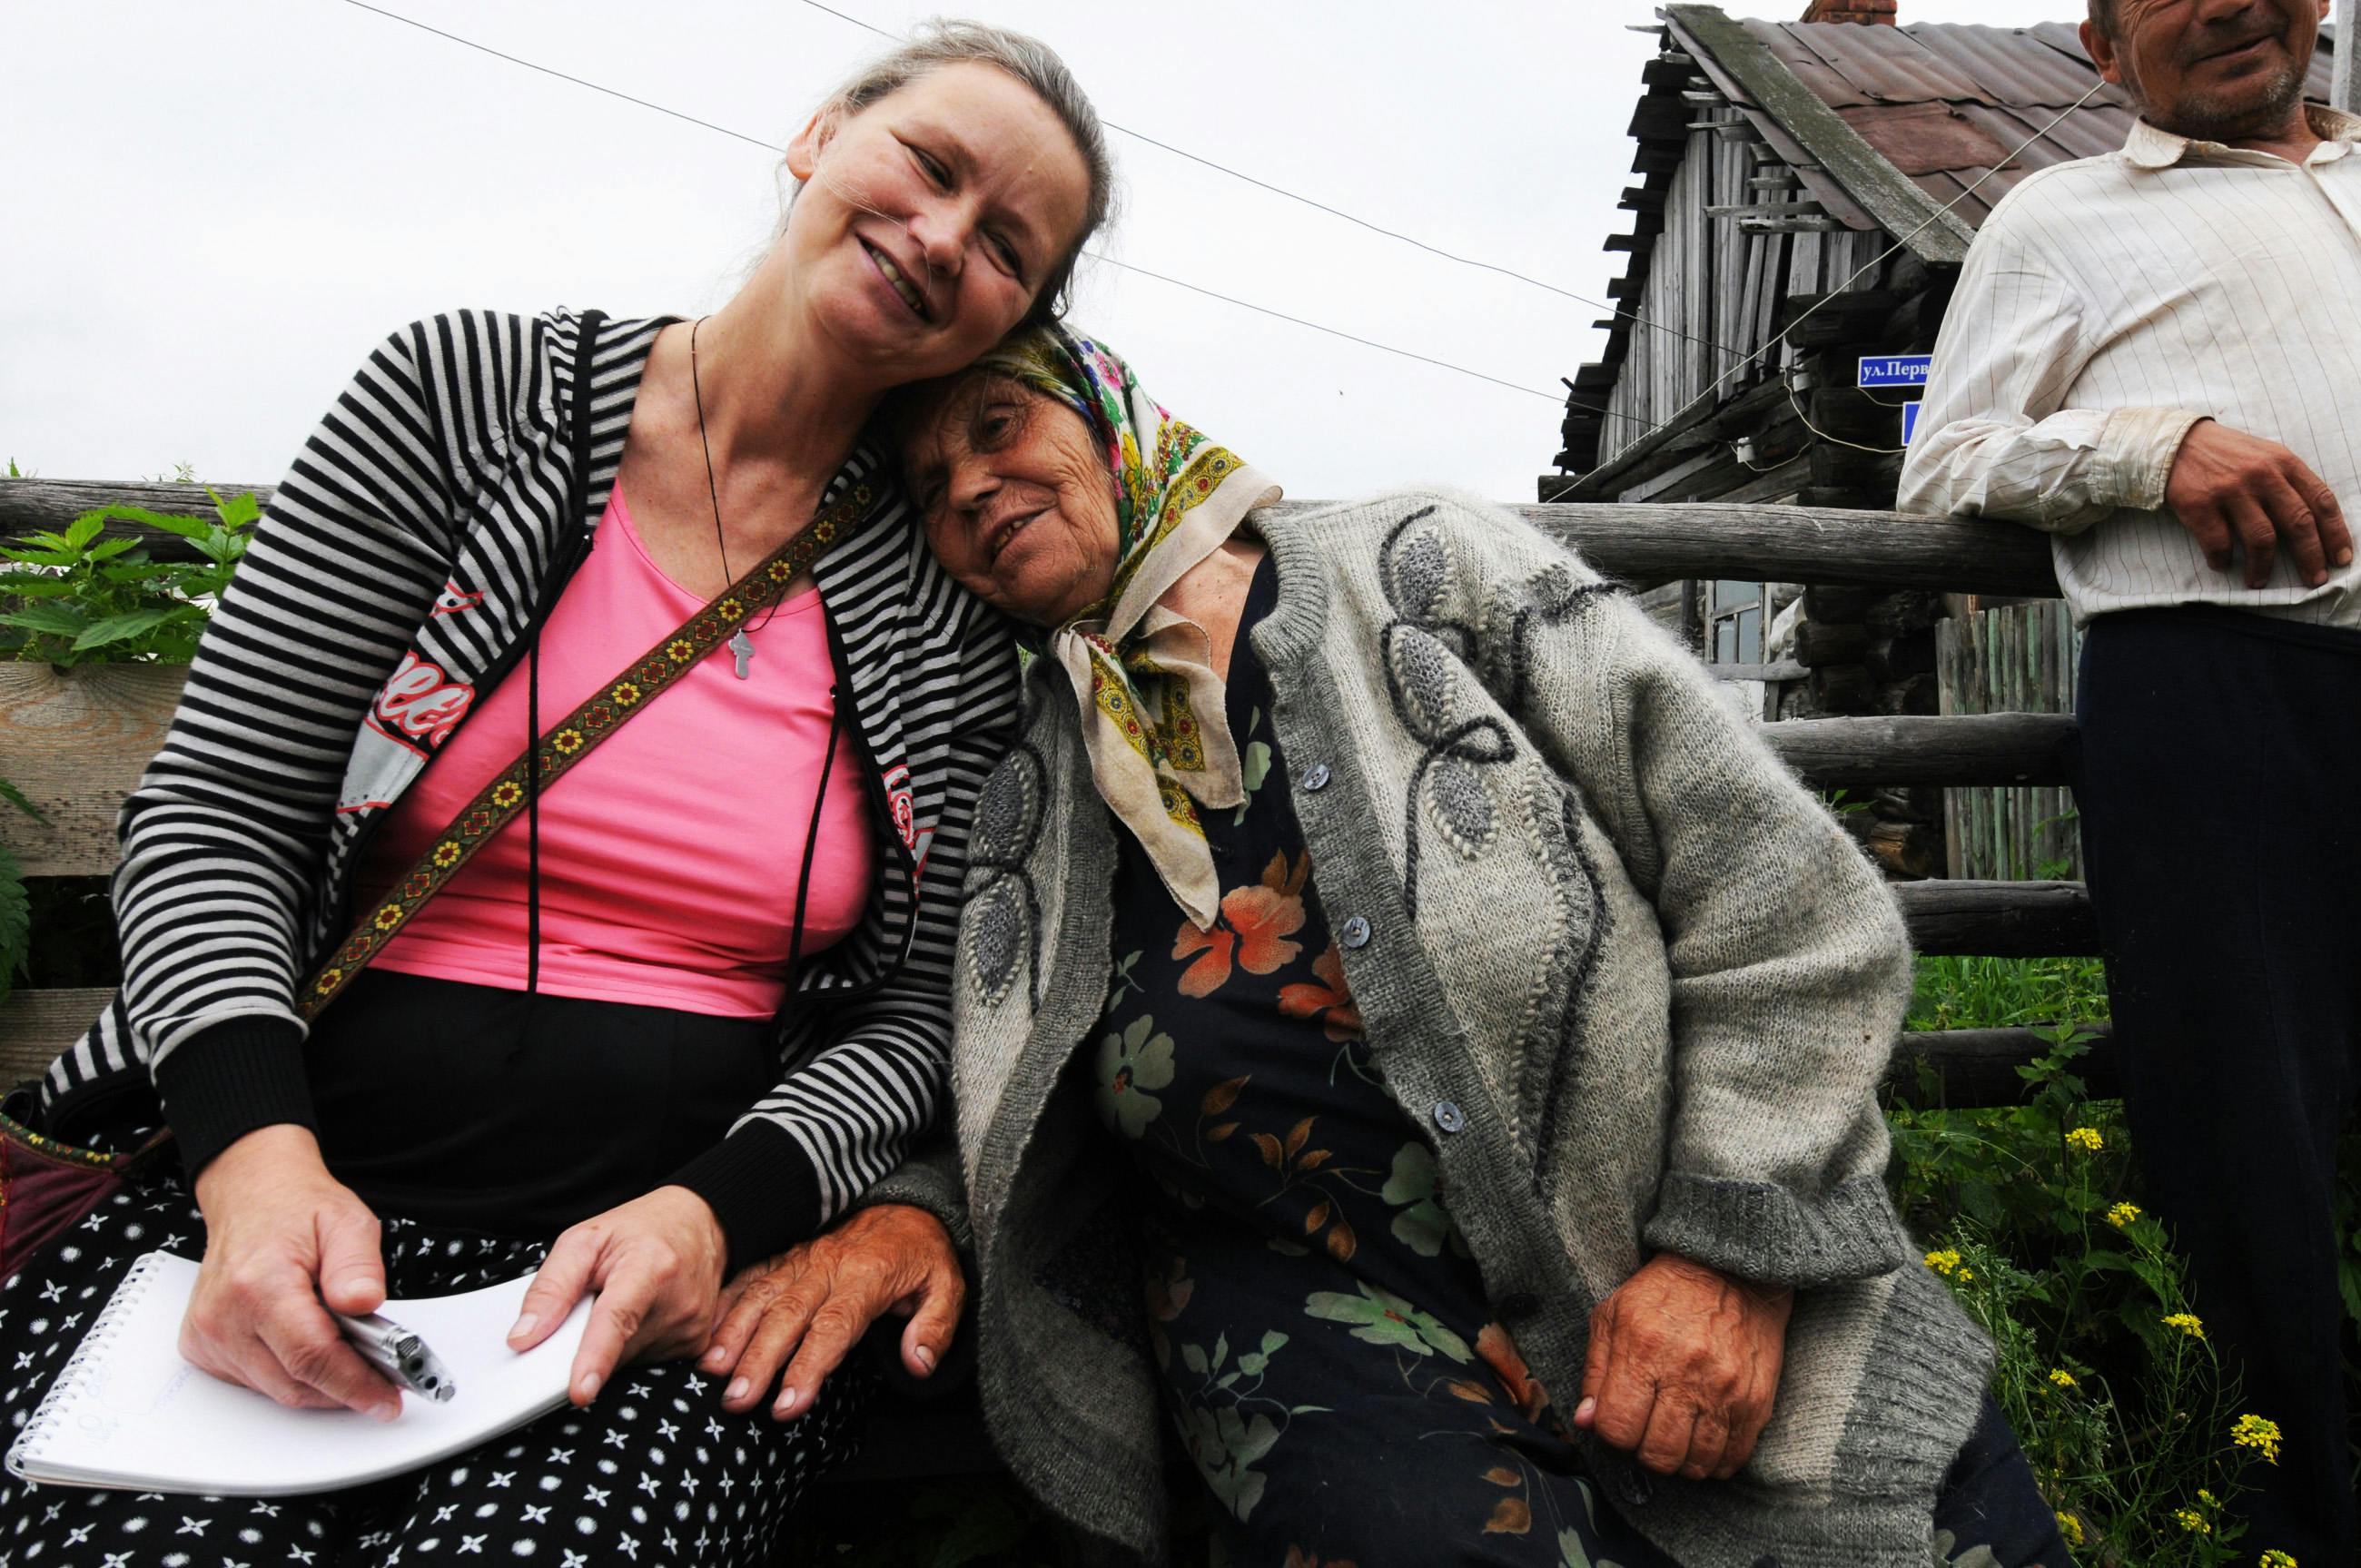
818 1300
2226 486
1684 1365
280 1235
655 1267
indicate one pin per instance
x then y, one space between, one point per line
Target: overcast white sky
217 210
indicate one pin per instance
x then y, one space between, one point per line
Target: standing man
2154 356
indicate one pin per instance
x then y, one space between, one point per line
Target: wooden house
1806 192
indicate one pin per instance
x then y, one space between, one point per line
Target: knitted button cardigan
1631 981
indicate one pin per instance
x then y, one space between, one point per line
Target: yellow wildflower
2123 1214
2277 1559
2204 1497
2063 1378
2261 1435
1945 1263
1964 1275
2087 1139
2070 1527
2191 1519
2187 1322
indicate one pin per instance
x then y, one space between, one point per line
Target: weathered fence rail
75 740
2013 658
1640 544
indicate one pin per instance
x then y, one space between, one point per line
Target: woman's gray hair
942 41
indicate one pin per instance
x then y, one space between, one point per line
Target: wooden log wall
2013 658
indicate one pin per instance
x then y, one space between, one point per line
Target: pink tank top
669 856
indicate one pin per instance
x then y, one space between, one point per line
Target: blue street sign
1909 422
1893 369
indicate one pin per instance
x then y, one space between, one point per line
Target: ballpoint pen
399 1354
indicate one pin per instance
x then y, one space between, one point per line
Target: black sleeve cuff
760 1184
221 1084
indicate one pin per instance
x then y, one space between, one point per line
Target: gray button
1520 1304
1317 776
1449 1117
1353 933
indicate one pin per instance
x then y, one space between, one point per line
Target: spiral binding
52 1408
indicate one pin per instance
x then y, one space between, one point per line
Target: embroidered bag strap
575 736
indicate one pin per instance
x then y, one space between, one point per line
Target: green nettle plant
83 595
2136 1436
15 906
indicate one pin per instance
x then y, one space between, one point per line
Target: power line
1298 321
1318 205
548 71
1095 256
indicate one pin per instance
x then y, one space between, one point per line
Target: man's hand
1684 1365
655 1265
2227 486
818 1300
282 1234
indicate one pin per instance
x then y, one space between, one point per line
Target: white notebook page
129 1412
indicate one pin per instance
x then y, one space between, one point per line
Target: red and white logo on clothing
898 803
417 706
451 600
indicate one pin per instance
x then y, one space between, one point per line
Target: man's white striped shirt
2110 303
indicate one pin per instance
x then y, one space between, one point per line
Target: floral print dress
1327 1353
1327 1350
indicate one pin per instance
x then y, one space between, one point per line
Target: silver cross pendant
743 647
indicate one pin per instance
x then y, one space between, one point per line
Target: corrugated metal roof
1942 102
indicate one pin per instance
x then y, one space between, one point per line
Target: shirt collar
2150 147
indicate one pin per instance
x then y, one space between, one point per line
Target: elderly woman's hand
656 1264
1684 1365
818 1300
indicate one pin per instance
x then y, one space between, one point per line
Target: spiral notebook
127 1412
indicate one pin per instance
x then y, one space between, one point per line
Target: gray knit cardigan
1628 979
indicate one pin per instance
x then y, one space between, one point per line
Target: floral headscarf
1154 713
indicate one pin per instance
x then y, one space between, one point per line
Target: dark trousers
2221 762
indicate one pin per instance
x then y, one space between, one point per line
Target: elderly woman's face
1017 501
929 220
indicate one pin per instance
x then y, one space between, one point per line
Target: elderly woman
584 756
1412 1034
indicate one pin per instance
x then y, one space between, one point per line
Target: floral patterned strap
572 739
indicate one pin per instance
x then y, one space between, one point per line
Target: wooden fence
75 740
2012 659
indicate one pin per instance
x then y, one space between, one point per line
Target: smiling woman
1484 1028
679 985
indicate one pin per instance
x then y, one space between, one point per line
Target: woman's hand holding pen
656 1265
283 1236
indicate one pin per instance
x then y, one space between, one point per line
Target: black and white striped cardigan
442 480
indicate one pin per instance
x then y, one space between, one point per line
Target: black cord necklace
740 646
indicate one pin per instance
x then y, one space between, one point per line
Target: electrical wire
561 76
1093 254
1354 219
1834 440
